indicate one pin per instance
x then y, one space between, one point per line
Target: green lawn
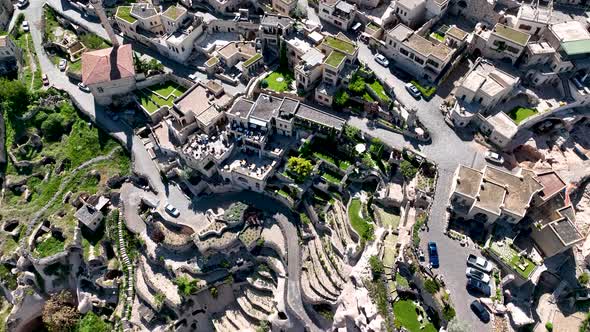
438 36
359 224
380 91
515 261
426 91
342 164
340 45
279 81
75 67
331 177
335 59
519 114
124 13
49 247
405 315
151 98
401 281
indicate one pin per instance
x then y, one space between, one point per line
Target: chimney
97 4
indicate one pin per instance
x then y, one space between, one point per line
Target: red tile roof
108 64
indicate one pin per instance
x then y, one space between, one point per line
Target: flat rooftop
454 31
199 101
570 31
411 4
519 188
143 10
339 44
552 184
309 113
202 145
266 107
426 48
242 108
567 231
468 181
401 32
247 49
174 12
511 34
541 48
503 124
490 197
489 79
276 20
527 12
313 57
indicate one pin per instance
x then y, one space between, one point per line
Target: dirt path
32 63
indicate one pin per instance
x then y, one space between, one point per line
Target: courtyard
157 96
279 80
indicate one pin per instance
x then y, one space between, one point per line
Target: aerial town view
295 165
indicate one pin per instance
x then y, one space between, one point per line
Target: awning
257 122
576 47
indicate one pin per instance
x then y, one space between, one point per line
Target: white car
63 63
479 263
494 157
83 87
194 77
22 4
413 90
25 26
382 60
477 274
171 210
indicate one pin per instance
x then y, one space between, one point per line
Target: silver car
413 90
171 210
382 60
477 274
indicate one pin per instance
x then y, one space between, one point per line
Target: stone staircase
128 281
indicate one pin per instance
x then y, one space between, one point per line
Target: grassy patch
406 316
335 59
340 45
124 13
342 164
49 247
279 81
519 114
438 36
250 61
401 281
358 223
380 91
426 91
153 98
332 177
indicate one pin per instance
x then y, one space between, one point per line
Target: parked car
171 210
83 87
494 157
193 77
477 286
481 311
63 63
45 79
421 255
25 26
413 90
433 254
382 60
477 274
22 4
479 263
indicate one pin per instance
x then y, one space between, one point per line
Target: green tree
263 327
301 167
549 326
376 265
155 66
92 323
93 41
53 126
264 84
431 286
14 97
408 170
449 312
351 133
186 286
283 60
341 98
357 85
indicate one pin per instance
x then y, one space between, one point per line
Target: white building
337 12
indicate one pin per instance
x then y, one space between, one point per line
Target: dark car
478 287
433 254
480 311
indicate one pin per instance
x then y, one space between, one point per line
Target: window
432 63
326 11
419 61
403 51
525 27
100 90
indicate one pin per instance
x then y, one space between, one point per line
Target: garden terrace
325 273
406 314
124 13
340 45
505 251
279 81
160 283
519 114
335 59
155 97
357 220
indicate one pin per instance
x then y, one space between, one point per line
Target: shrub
341 98
357 85
53 125
549 326
214 292
186 286
301 167
431 286
584 278
448 312
408 170
376 266
264 84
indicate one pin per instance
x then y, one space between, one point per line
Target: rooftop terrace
340 45
203 145
513 35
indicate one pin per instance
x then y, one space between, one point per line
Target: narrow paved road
448 151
